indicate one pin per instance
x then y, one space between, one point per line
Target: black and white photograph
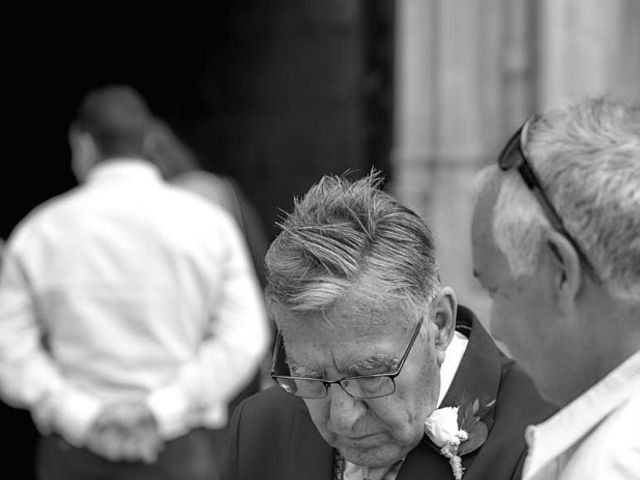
321 240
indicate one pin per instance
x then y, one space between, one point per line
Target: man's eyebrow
376 361
389 361
297 370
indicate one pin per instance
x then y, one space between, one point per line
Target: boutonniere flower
458 432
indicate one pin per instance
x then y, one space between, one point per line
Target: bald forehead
485 203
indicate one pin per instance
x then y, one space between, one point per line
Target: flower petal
442 426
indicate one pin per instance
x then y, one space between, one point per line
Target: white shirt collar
577 418
453 357
124 169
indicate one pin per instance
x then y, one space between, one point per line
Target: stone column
588 47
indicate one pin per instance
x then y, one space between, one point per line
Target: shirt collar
453 357
557 434
124 168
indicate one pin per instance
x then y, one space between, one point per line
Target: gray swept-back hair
343 236
587 155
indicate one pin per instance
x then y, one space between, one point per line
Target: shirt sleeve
29 378
232 351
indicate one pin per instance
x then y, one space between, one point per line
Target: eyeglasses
513 156
361 387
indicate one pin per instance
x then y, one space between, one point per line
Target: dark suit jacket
273 437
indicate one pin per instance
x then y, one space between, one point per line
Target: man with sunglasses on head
556 242
380 373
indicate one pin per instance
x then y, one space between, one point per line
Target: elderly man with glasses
380 373
556 242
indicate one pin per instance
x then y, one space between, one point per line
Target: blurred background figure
180 166
18 424
130 314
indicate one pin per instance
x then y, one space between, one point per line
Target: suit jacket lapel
478 376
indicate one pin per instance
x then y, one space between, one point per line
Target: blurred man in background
181 166
130 314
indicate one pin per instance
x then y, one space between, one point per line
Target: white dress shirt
126 288
597 436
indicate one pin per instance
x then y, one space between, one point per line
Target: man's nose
344 410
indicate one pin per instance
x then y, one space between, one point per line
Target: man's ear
565 268
445 307
84 154
150 143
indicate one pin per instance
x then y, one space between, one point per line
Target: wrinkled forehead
345 335
349 316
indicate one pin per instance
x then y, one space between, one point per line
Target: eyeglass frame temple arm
533 183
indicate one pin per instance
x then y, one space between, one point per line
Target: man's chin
374 456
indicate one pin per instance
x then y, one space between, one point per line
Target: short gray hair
587 156
344 235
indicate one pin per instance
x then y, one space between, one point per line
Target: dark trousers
195 456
